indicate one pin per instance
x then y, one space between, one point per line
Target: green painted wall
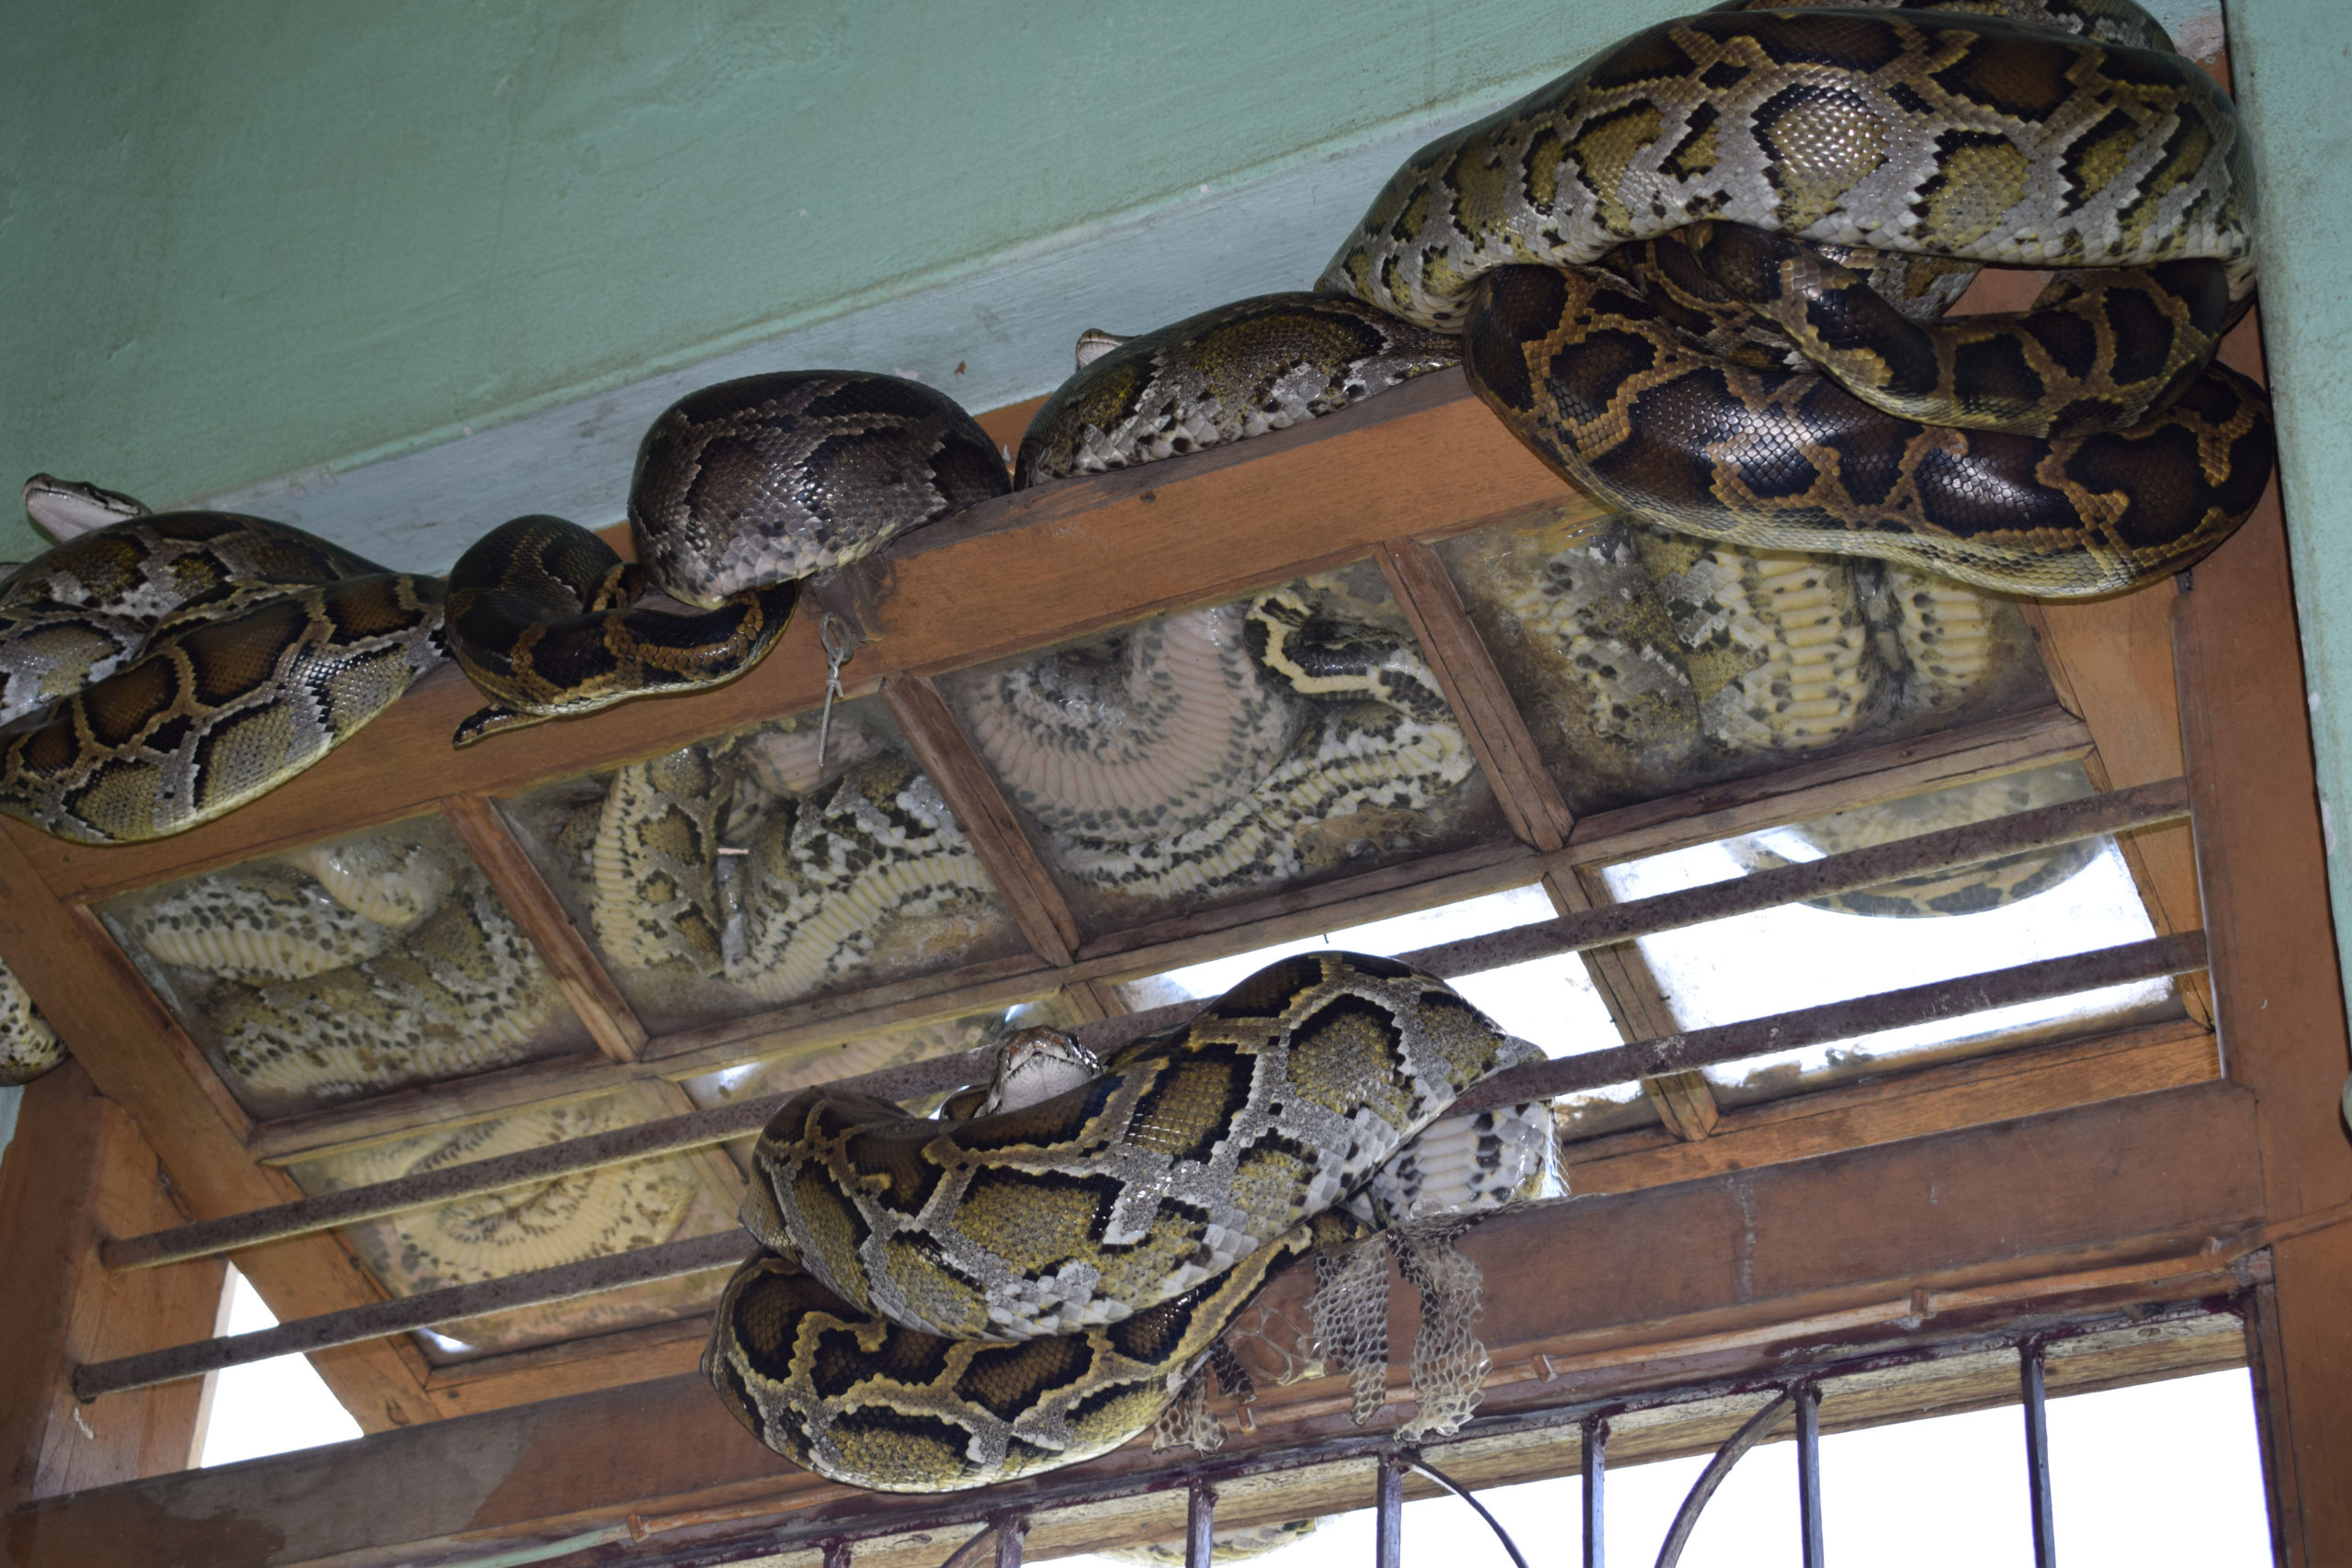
242 239
2292 63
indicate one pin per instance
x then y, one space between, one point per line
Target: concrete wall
2292 60
246 239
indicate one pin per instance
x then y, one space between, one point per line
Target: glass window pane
1550 1002
1219 754
1646 663
2046 904
346 969
744 872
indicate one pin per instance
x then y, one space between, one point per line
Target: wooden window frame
2201 676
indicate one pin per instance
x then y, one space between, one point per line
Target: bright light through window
1550 1003
268 1407
2160 1475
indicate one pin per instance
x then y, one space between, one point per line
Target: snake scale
946 1303
1700 276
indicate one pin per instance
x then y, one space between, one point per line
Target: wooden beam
77 1171
611 1022
2111 663
141 1059
986 817
1702 1270
1904 1104
1020 571
1475 688
2262 853
1816 788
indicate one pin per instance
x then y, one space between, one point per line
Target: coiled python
191 663
346 968
1695 276
1224 748
943 1304
198 659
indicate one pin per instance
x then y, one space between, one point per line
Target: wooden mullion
1090 1000
611 1021
572 1367
986 817
1620 973
1476 692
1819 786
2111 663
1908 1102
718 1172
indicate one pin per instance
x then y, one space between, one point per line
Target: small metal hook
837 653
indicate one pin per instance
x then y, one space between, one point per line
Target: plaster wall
2292 63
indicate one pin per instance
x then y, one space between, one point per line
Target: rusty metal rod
2140 807
2039 981
746 1117
2143 805
668 1261
1534 1081
2118 811
352 1204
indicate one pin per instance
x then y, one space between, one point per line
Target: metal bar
1686 1518
866 1518
1518 1559
668 1261
1388 1513
695 1129
1536 1080
2141 807
1200 1525
2037 1455
2158 956
1809 1473
1594 1461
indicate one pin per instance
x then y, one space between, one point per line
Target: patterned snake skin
1222 747
2092 460
1109 1233
1697 276
195 660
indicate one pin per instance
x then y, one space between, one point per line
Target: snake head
1034 1066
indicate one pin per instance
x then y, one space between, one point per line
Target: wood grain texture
986 817
76 1172
1703 1266
1024 570
2111 662
2030 1082
1474 688
611 1022
1815 788
140 1059
2261 857
1637 1005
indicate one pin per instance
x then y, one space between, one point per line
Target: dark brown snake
1699 276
